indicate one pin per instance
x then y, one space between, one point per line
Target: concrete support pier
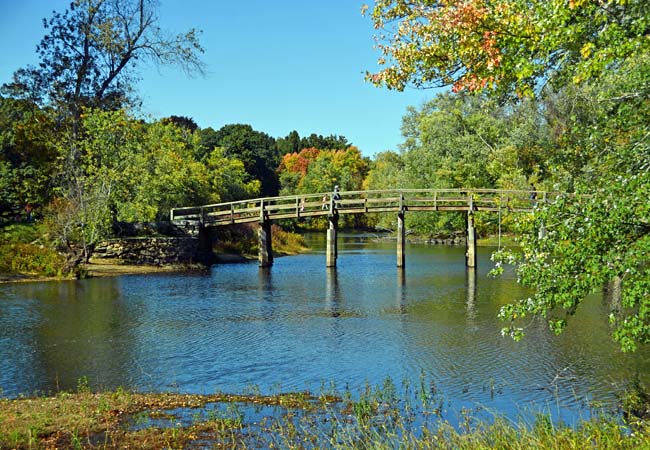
470 255
401 240
331 250
264 244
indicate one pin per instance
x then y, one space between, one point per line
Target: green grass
507 240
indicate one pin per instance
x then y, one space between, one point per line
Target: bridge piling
470 255
401 239
264 244
331 250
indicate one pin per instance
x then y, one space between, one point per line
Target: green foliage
256 150
27 155
18 233
228 178
604 235
30 259
315 170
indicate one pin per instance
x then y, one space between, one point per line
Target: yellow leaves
573 4
587 50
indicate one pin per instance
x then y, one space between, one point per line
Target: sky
276 65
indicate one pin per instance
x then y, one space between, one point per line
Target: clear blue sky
276 65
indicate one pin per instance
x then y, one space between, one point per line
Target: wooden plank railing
359 202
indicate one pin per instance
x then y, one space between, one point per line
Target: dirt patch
106 269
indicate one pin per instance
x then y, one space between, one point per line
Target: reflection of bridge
399 201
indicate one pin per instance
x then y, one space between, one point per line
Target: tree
256 150
289 144
88 56
331 142
228 179
186 123
345 168
208 141
515 48
449 143
88 62
28 158
386 171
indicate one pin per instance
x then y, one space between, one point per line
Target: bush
32 259
242 240
285 241
19 233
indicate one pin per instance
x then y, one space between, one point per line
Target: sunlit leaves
512 46
315 170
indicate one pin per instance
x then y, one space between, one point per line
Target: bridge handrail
253 206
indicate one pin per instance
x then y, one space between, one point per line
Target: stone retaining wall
158 251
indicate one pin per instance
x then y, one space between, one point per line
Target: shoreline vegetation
377 418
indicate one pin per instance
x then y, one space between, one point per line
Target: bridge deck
357 202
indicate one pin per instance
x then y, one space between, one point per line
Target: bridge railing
359 202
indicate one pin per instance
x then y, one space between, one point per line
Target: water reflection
401 297
78 329
266 292
470 274
333 292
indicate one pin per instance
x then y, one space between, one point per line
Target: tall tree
28 158
289 144
256 150
331 142
89 59
88 56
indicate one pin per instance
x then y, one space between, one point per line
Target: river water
300 326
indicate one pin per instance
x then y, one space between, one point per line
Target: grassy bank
378 419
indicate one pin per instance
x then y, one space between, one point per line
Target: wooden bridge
399 201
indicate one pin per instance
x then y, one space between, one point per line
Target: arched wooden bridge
399 201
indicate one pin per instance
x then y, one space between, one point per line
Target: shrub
29 258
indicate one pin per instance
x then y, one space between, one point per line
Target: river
300 326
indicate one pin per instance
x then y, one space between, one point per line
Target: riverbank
107 268
97 270
378 419
25 258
